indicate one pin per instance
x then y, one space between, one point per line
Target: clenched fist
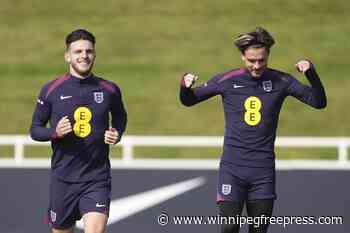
303 66
63 127
190 79
111 136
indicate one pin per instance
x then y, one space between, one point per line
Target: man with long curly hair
252 99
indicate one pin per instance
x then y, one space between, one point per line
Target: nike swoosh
131 205
237 86
65 97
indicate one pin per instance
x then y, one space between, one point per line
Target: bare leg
95 222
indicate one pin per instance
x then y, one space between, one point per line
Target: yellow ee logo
82 117
252 105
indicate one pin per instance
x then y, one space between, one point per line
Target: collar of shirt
75 79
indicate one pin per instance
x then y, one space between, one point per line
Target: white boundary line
184 164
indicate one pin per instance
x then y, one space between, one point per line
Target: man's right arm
190 96
41 115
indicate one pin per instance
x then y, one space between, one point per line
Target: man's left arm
315 95
119 119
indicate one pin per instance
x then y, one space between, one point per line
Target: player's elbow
187 99
187 103
33 134
321 105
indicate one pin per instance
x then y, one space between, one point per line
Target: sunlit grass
146 46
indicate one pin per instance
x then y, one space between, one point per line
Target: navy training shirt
252 107
81 155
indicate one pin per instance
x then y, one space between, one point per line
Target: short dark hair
258 38
79 34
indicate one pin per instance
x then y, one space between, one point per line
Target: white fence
128 144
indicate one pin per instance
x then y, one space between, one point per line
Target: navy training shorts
70 201
240 183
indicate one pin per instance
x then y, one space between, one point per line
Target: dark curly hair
256 39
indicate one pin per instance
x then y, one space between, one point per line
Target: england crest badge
53 216
226 189
267 85
98 97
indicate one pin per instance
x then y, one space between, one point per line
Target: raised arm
315 95
190 96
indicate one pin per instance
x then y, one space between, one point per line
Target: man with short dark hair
252 98
77 107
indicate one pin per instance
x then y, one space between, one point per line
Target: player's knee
229 228
94 228
258 208
94 222
258 229
229 209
